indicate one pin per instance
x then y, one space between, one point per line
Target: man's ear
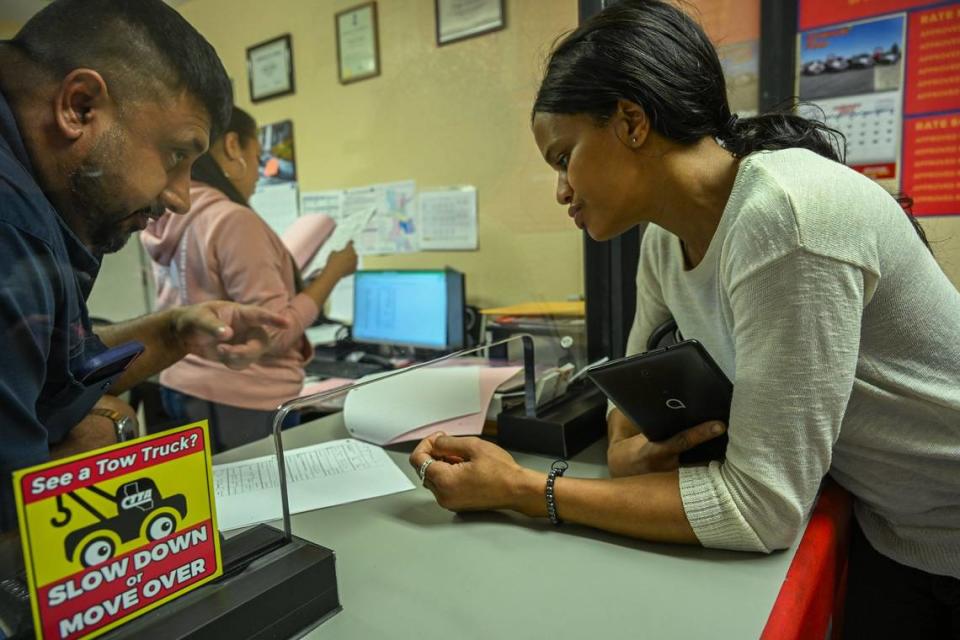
631 123
82 103
232 148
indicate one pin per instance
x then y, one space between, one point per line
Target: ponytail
785 130
781 130
207 171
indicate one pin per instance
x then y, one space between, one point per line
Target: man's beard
96 188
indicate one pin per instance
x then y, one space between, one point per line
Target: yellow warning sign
111 534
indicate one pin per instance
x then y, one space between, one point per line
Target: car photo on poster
852 59
861 61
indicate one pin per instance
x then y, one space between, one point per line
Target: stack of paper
411 406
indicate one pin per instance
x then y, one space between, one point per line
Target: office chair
666 334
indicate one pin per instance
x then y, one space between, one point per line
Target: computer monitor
409 308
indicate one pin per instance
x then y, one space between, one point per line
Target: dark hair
652 53
208 171
134 44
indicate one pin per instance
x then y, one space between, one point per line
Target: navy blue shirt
45 277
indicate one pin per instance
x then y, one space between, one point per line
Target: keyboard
342 369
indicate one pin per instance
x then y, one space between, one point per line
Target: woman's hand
634 454
470 474
342 263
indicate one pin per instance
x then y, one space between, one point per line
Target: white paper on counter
321 475
382 411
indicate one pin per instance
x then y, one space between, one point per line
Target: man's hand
634 455
231 333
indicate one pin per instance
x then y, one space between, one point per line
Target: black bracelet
556 470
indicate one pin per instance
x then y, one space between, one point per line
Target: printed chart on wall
111 534
888 78
393 228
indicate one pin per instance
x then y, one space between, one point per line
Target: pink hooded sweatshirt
221 250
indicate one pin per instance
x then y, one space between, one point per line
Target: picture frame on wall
461 19
270 68
358 47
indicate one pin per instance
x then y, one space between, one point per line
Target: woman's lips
577 214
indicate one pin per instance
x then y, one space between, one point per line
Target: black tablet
667 390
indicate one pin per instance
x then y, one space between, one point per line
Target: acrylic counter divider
530 405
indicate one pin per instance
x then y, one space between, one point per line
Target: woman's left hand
470 474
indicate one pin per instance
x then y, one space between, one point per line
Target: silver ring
422 471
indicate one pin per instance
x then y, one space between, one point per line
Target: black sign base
270 589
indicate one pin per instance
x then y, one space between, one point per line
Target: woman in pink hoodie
222 250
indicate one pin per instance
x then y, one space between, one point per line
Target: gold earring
226 175
634 139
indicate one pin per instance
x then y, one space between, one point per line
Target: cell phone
667 390
109 363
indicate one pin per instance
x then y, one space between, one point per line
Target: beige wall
943 232
8 29
457 114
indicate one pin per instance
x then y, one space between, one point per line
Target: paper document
321 475
448 219
329 203
349 227
304 237
469 425
340 302
382 412
276 204
396 220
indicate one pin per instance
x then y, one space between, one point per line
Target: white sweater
842 337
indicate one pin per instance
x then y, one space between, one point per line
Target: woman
221 249
803 279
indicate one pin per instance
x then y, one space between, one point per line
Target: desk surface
409 569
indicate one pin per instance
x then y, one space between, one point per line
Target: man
104 105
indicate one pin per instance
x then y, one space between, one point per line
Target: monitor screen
409 308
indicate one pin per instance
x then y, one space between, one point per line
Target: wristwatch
125 425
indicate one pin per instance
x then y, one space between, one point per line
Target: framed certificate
270 69
460 19
358 52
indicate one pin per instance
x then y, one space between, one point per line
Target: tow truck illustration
141 513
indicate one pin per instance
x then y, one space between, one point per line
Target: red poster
817 13
933 60
931 164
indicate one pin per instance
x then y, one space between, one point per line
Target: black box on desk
561 428
271 588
